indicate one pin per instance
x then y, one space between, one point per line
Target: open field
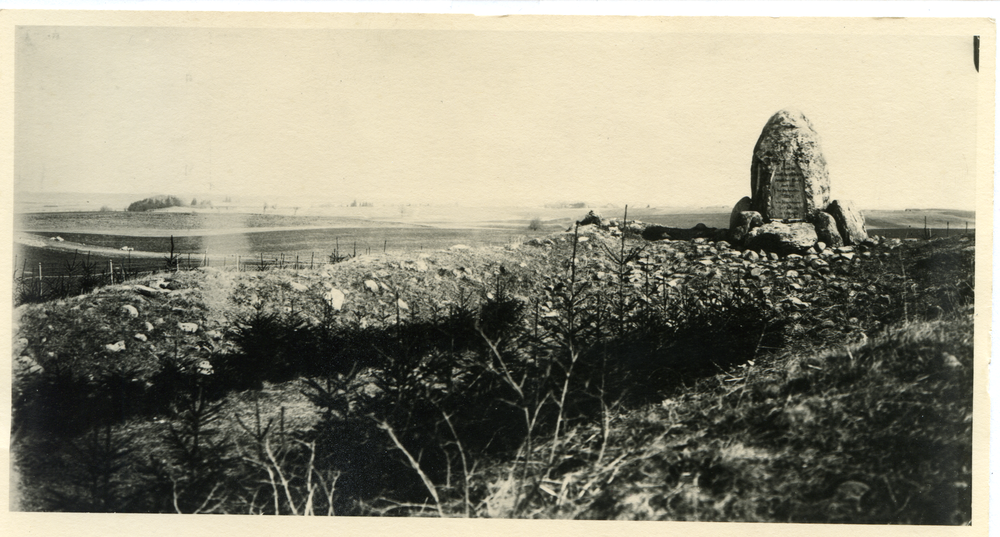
216 235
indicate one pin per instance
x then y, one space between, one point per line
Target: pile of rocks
789 210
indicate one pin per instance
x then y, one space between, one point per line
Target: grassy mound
585 375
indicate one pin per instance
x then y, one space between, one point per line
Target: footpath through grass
586 375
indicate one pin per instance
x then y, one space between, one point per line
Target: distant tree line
155 202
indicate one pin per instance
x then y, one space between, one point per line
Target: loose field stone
147 291
149 326
140 337
115 347
335 298
188 327
296 286
788 175
130 310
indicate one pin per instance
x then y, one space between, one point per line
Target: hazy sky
489 117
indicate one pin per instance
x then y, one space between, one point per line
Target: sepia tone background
677 132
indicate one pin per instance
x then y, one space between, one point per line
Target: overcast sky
485 117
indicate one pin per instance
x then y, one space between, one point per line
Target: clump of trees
155 202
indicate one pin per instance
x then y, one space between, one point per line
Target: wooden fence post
111 270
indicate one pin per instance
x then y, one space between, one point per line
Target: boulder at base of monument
826 230
850 223
745 221
788 176
734 216
782 238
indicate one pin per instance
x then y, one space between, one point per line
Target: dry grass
597 378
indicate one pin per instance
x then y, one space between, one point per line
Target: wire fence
38 281
71 274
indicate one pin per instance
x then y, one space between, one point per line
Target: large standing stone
850 223
788 176
782 238
826 229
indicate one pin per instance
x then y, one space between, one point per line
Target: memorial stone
788 176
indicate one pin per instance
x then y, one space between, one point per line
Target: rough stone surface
335 297
745 221
147 291
782 238
188 327
826 229
130 310
741 206
788 175
115 347
655 232
850 223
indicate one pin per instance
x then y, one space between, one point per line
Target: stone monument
789 207
788 177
